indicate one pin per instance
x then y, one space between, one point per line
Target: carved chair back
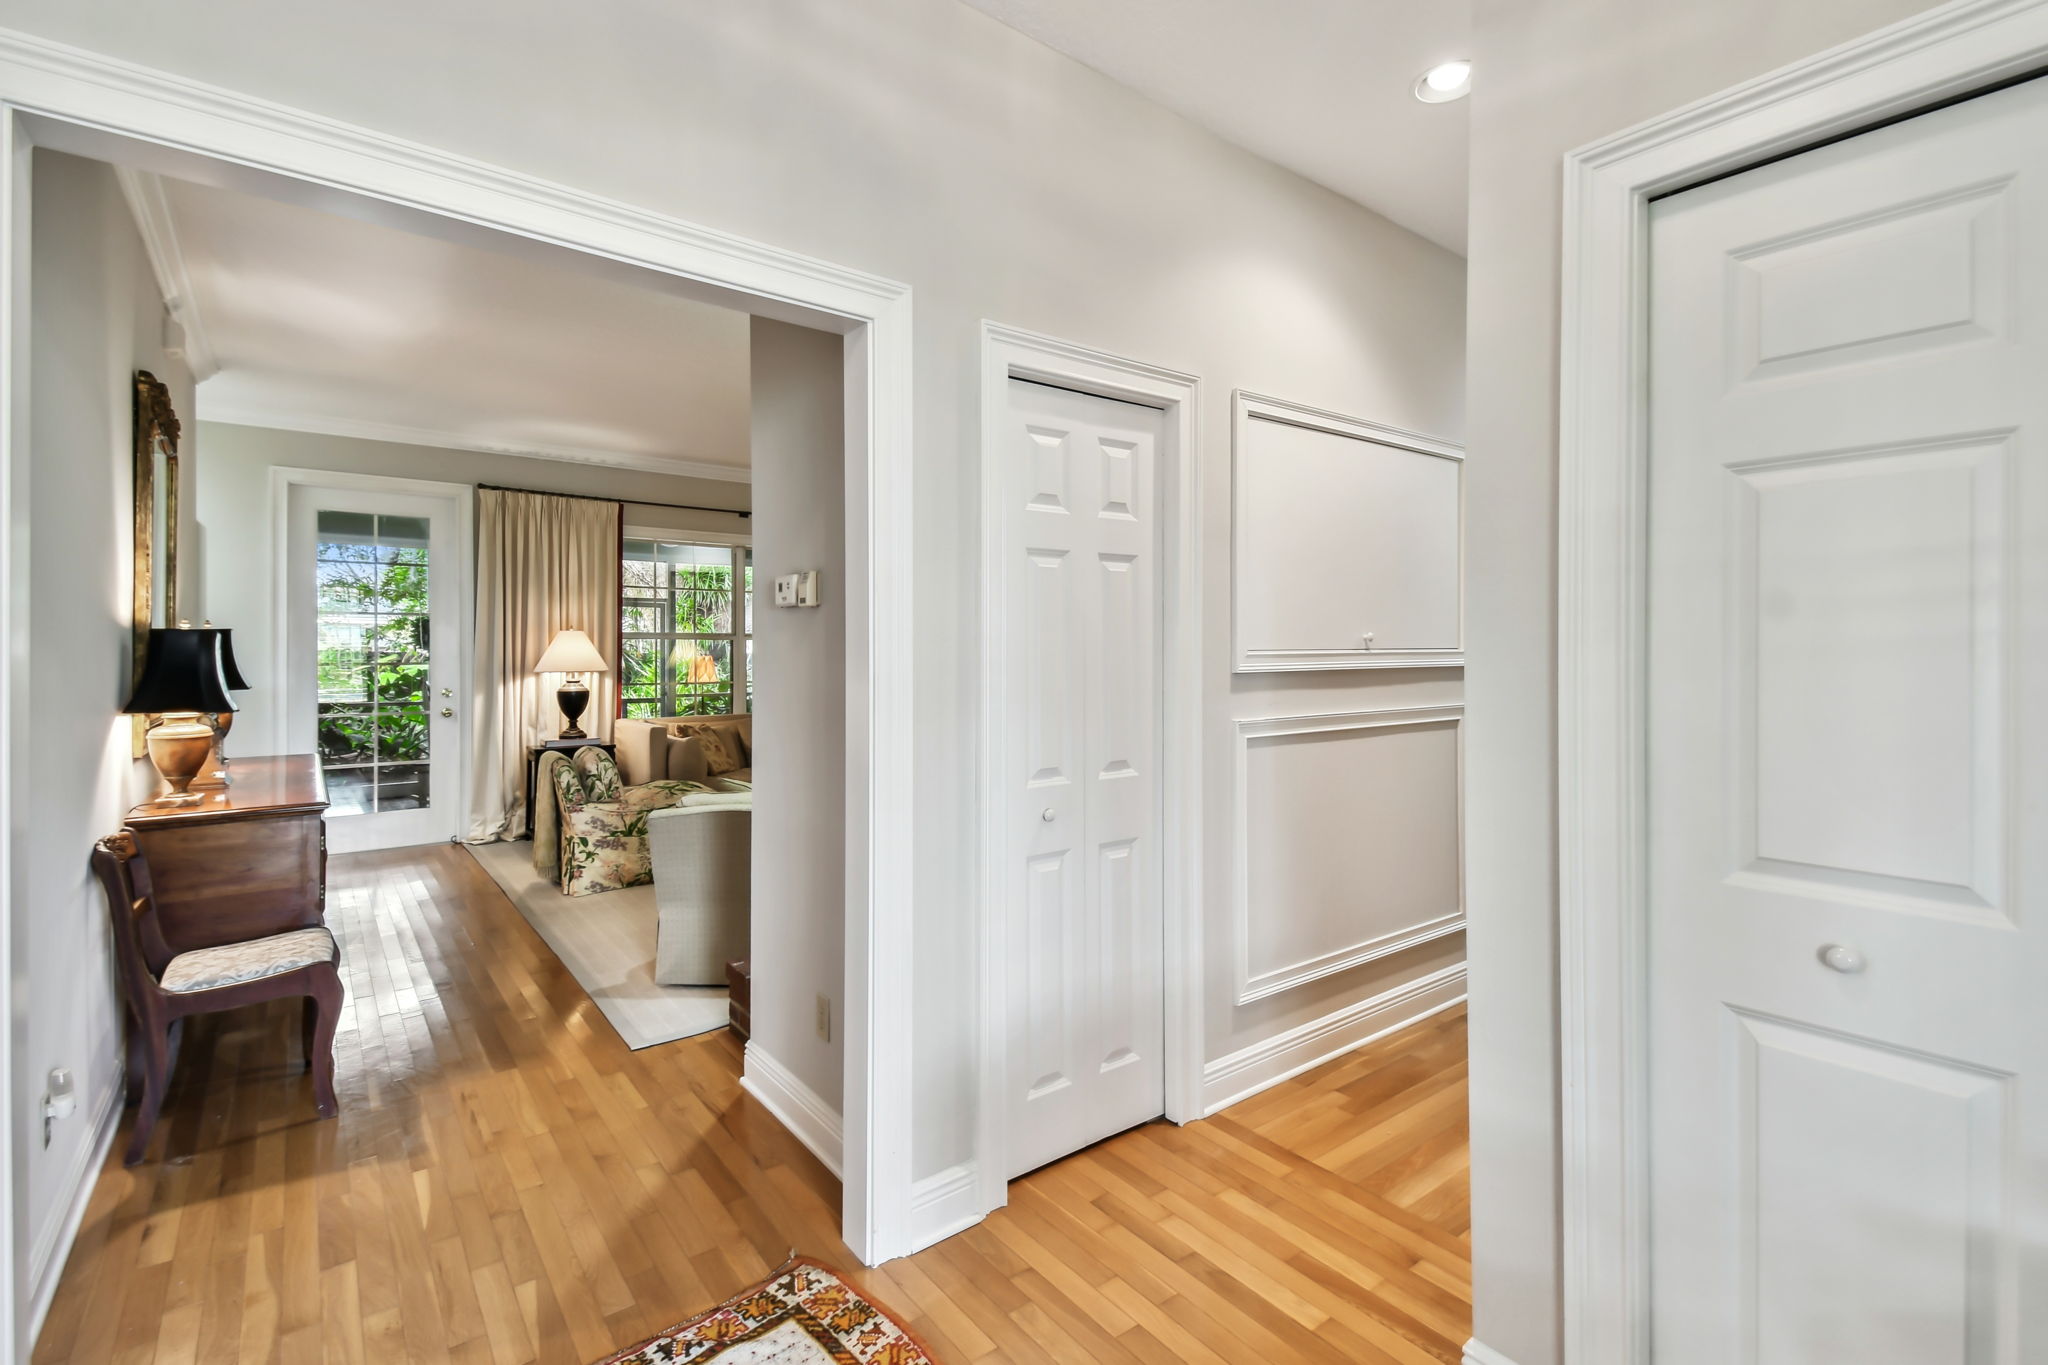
131 902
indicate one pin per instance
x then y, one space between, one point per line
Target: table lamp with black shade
182 682
214 773
571 652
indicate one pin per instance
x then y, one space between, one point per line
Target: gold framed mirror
156 522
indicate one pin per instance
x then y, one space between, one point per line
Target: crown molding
355 430
147 204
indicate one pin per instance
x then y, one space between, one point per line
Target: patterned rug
802 1315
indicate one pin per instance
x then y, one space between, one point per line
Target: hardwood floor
508 1183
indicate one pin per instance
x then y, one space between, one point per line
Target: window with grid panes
686 628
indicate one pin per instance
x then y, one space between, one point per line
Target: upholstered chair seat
206 969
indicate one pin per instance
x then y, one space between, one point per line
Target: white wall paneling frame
1943 54
1393 564
1006 354
1358 727
91 105
289 683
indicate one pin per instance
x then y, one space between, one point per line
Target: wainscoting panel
1348 845
1347 542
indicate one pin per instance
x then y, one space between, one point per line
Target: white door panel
1081 763
1848 683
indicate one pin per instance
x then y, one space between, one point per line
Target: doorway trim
462 497
71 99
965 1195
1944 54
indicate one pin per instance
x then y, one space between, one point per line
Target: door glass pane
373 634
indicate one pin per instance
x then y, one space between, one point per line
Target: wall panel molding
1273 568
1251 984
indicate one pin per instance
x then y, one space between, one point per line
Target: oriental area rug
802 1315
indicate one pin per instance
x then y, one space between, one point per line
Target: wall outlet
824 1019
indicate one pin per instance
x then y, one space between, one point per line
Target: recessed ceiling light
1445 82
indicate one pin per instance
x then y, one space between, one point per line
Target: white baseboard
943 1204
1246 1072
53 1248
815 1123
1478 1352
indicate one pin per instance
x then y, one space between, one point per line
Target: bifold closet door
1848 741
1080 770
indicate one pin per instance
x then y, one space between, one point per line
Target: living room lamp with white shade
571 652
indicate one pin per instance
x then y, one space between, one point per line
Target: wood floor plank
509 1184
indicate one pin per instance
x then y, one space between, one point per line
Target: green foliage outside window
373 687
679 630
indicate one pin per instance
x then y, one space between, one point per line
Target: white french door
1080 767
373 650
1848 751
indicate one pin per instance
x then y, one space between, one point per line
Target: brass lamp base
213 773
178 745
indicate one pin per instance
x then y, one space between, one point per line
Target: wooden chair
162 987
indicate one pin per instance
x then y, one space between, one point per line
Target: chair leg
326 1011
151 1048
309 1022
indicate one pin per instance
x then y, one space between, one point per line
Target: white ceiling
312 321
1323 87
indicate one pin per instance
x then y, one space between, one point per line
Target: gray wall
923 141
1554 74
97 318
236 557
799 938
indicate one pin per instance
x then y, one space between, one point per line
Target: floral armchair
597 838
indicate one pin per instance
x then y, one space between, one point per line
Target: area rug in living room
802 1315
607 943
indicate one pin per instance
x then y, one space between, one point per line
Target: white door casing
448 693
1848 776
1084 935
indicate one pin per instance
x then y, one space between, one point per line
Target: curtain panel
543 564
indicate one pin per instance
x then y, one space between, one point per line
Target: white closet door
1081 771
1848 737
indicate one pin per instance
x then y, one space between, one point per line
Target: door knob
447 712
1047 815
1844 960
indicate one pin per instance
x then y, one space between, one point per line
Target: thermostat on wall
797 589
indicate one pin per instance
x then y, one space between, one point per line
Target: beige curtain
543 564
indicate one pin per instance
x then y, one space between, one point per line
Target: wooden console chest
244 861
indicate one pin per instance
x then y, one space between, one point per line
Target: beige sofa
649 753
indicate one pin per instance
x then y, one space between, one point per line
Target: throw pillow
721 748
569 788
601 780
